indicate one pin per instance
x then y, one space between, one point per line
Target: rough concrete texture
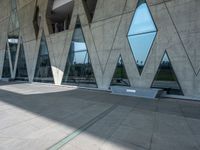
106 38
37 116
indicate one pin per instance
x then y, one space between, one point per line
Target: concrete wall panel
186 17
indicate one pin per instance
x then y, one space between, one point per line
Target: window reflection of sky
81 54
140 45
79 46
165 59
78 69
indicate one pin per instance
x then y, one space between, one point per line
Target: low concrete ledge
180 97
137 92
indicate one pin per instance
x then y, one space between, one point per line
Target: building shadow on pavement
131 118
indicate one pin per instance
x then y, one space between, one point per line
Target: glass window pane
142 21
141 45
13 44
78 70
80 57
166 78
43 72
79 46
120 77
21 71
6 66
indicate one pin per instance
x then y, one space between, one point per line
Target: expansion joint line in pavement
74 134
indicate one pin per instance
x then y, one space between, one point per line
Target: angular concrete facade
177 21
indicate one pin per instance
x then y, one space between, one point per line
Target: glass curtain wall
78 70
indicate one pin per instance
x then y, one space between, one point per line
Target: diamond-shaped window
141 34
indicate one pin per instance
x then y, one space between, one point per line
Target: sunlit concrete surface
40 121
34 88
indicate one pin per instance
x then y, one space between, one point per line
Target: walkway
38 117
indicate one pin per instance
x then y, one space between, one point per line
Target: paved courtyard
38 117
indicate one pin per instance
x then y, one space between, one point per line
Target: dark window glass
21 71
13 41
43 72
90 7
141 48
78 70
166 78
141 34
6 66
120 77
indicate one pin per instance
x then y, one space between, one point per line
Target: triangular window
21 71
13 41
43 72
166 78
6 66
78 69
120 77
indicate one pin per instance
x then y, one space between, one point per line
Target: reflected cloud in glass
141 34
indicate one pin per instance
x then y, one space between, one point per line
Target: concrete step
151 93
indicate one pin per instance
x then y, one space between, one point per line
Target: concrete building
99 43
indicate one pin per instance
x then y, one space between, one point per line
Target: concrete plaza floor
39 116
